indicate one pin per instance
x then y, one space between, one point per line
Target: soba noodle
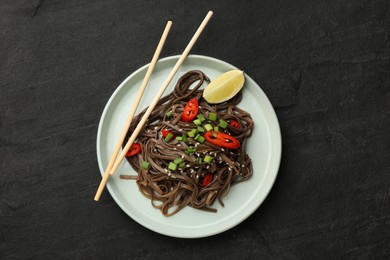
172 190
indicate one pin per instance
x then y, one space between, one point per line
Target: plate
264 148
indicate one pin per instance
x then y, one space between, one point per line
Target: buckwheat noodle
172 190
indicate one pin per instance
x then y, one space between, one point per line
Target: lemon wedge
224 87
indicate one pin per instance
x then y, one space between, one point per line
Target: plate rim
277 145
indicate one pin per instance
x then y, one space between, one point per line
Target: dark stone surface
325 66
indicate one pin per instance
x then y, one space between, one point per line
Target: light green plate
264 147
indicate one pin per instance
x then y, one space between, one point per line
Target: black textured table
325 66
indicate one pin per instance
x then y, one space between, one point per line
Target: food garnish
224 87
190 110
135 148
222 140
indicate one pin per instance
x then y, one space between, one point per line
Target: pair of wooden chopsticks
114 161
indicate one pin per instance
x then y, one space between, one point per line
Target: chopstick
133 109
161 91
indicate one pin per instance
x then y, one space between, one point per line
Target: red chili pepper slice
222 139
134 149
207 179
190 110
165 132
234 124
